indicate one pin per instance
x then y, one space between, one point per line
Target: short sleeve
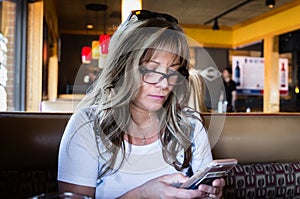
78 159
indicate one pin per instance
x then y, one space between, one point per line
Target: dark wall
289 42
220 56
70 61
218 59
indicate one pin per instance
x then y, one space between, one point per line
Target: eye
172 71
174 68
150 66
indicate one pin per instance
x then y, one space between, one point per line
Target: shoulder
84 114
192 114
82 118
80 131
232 82
194 117
199 137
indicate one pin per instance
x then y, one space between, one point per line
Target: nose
163 83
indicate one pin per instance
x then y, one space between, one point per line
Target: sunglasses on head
146 14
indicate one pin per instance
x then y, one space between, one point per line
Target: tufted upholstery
269 180
24 183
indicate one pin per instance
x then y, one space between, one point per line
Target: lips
159 97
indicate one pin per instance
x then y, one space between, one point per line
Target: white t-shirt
79 161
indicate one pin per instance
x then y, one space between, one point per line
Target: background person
133 135
230 89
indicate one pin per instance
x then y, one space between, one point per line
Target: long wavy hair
119 82
197 88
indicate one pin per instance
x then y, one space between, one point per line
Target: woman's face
151 97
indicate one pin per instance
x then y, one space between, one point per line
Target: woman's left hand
212 191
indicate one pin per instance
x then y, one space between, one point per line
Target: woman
133 136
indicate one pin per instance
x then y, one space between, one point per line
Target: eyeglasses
146 14
154 77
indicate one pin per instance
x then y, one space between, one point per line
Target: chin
155 107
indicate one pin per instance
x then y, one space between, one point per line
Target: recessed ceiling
73 15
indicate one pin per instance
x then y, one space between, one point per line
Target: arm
82 190
233 99
77 159
162 187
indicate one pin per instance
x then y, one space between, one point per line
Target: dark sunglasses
146 14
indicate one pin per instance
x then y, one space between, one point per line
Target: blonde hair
117 85
196 86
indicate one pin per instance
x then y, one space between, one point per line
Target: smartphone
215 169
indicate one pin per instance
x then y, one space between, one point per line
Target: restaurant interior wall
69 70
204 58
289 49
70 62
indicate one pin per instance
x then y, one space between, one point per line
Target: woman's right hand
162 187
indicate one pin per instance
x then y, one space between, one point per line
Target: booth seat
60 105
266 146
28 149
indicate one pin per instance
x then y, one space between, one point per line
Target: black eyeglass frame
181 78
147 14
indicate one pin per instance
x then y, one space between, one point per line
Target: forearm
82 190
132 194
233 101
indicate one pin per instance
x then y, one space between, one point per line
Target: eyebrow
158 63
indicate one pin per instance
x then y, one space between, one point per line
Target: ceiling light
89 26
216 25
270 3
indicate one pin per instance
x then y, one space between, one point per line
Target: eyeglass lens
153 77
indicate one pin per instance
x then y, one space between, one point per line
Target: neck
141 117
141 140
227 79
144 127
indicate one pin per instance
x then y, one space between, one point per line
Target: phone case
215 169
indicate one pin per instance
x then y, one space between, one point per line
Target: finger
218 182
174 178
209 189
212 195
188 193
208 195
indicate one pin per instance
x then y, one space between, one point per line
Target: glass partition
66 78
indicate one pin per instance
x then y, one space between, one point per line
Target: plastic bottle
220 107
225 103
